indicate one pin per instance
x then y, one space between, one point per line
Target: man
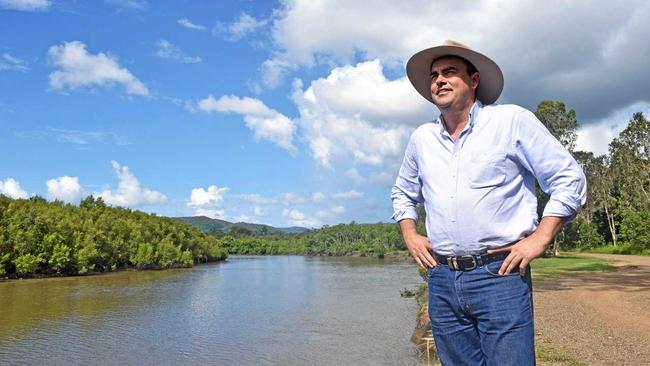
474 168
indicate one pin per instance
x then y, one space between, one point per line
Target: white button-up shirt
479 191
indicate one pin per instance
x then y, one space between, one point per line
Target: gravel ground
596 318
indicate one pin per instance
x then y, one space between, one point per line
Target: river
248 310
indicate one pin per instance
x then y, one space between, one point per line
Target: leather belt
469 262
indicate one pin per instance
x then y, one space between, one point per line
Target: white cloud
136 5
65 188
171 52
258 211
331 214
208 202
354 175
243 218
596 137
11 63
290 198
348 194
266 123
298 218
78 68
26 5
188 24
245 25
10 187
357 112
257 199
317 197
129 193
384 177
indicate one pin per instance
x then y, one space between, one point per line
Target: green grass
620 249
554 266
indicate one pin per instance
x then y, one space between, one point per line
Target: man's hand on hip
531 247
419 248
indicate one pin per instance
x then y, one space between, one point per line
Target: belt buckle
452 263
474 264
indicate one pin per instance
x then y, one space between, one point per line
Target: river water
248 310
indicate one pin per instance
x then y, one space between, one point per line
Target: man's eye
433 76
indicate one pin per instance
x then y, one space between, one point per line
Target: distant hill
209 225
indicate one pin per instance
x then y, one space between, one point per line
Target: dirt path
597 318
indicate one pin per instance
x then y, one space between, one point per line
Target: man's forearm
408 228
548 228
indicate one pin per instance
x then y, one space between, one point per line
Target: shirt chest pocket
487 170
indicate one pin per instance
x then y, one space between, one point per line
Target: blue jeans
479 317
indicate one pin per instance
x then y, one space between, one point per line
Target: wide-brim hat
418 69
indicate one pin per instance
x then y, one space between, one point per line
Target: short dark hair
471 69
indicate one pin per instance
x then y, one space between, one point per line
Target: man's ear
476 79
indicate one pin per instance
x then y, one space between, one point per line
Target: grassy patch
548 267
548 356
620 249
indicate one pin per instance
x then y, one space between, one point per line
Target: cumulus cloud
77 68
569 61
188 24
208 202
243 26
357 112
290 198
11 63
348 194
65 188
10 187
299 218
169 51
26 5
266 123
129 192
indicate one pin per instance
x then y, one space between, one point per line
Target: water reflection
284 310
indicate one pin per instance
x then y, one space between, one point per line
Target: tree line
617 213
44 238
337 240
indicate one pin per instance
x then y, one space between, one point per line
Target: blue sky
285 113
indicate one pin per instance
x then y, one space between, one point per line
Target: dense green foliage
342 239
215 226
37 237
617 213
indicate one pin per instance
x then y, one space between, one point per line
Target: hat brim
418 70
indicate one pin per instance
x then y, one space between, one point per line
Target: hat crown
451 42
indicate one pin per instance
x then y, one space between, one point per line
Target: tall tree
561 123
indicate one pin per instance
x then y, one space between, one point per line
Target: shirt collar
473 115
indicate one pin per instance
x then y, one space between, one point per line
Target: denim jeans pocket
493 269
432 271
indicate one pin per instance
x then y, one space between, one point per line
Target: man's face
450 84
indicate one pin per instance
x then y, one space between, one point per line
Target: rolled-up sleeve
557 172
407 191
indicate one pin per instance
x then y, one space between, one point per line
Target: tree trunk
611 225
